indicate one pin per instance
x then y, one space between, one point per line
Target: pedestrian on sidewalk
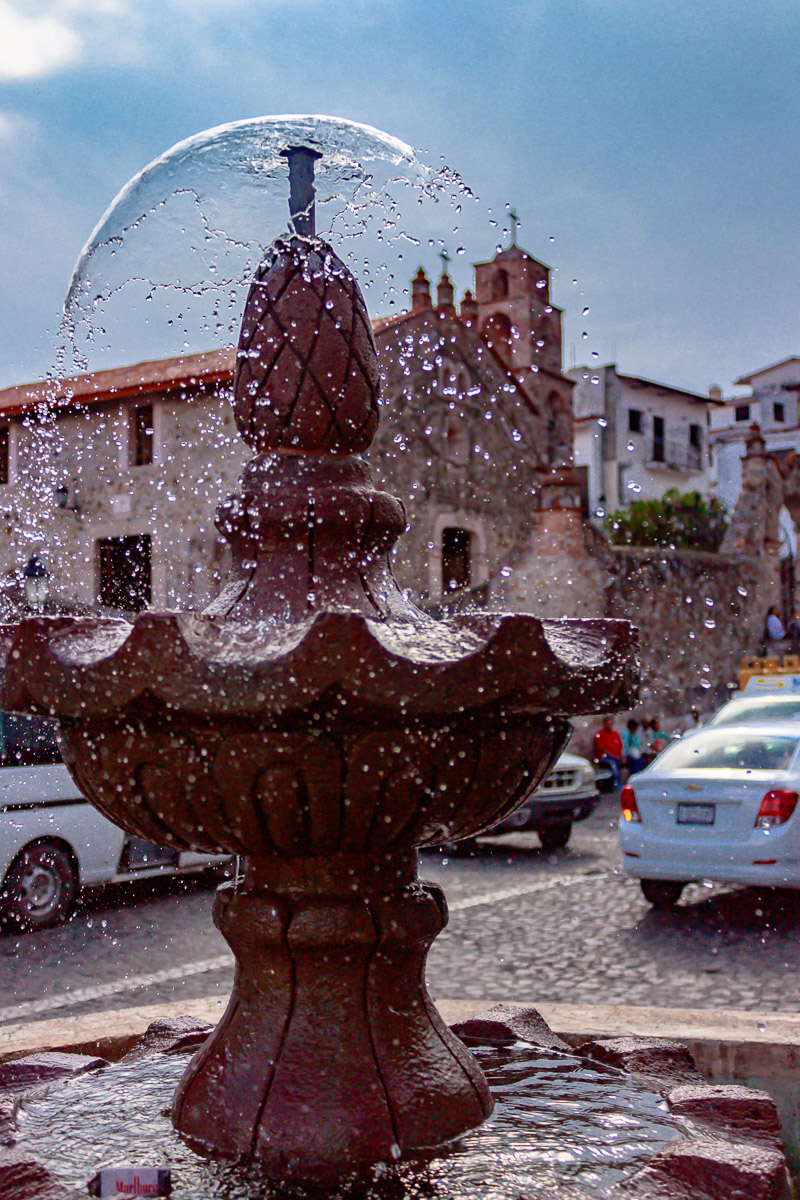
608 750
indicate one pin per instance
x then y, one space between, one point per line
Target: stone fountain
314 722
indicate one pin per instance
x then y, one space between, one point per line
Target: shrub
678 521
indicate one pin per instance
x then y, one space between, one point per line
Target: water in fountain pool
557 1119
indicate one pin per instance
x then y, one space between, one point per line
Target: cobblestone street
525 925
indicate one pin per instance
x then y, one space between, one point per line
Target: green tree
678 521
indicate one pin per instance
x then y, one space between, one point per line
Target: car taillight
776 808
630 809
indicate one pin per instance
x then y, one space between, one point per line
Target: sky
650 148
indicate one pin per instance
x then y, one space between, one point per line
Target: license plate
695 814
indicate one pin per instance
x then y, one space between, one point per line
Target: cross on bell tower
514 223
444 292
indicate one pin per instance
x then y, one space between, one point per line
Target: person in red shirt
608 749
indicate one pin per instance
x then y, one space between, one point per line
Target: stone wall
698 614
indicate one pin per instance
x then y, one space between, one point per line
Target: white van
52 841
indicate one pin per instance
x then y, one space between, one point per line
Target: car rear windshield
737 752
773 710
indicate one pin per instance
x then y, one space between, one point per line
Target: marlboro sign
131 1181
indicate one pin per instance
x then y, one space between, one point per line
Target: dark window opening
499 335
142 435
583 475
634 420
779 411
4 454
695 436
125 572
456 440
456 554
500 286
658 439
742 412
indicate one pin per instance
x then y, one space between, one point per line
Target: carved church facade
476 413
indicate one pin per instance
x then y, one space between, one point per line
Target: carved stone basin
315 722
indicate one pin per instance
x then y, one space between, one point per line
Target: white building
636 439
772 404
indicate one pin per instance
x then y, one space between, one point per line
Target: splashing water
167 267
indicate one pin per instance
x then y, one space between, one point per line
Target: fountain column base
331 1055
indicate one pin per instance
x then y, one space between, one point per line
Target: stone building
115 476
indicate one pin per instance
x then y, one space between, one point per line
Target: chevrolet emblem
694 787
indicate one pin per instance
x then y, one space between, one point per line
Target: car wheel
40 887
661 893
555 837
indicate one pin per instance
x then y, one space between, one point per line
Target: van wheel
40 887
661 893
555 837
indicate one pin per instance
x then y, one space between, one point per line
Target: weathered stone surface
306 368
8 1125
733 1110
172 1035
664 1063
21 1073
22 1178
507 1023
710 1170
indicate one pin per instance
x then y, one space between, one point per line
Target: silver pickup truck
569 793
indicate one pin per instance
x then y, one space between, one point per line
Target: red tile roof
159 375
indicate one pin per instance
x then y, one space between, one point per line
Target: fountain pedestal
313 721
331 1045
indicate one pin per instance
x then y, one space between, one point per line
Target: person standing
658 739
632 747
773 626
693 721
608 749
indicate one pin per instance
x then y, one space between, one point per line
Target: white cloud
32 46
40 37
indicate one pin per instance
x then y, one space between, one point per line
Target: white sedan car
717 804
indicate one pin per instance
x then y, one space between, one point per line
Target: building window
142 439
456 556
499 334
125 572
456 440
658 439
779 411
5 455
742 412
695 436
500 286
634 420
583 475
